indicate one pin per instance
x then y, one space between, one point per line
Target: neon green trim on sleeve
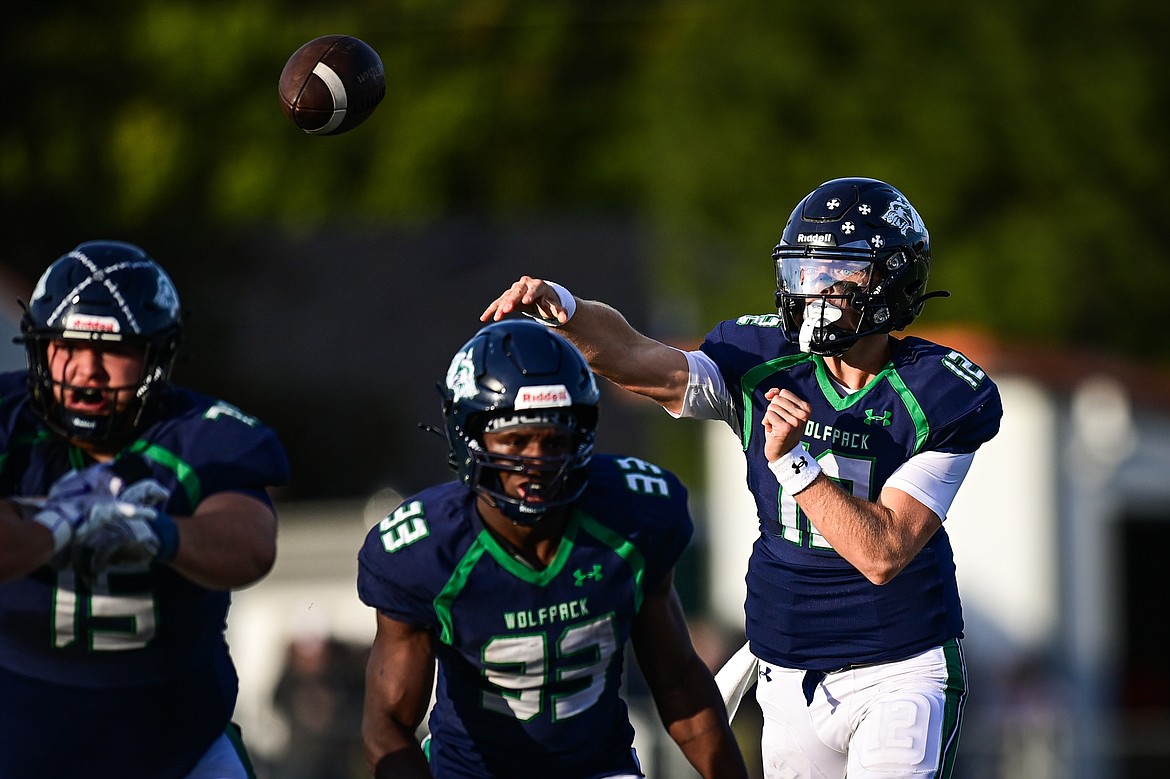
188 479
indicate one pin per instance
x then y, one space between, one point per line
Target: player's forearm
24 545
229 543
693 714
625 356
233 567
396 757
408 763
866 534
390 746
399 674
707 742
391 749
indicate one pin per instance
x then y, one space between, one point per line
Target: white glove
73 497
117 533
123 534
70 499
148 493
131 531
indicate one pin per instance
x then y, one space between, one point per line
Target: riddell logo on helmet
92 324
545 396
817 239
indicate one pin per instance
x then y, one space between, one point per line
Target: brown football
332 84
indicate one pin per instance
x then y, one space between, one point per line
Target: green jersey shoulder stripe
186 475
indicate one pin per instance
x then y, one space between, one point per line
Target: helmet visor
823 276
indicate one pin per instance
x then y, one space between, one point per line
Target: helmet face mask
515 375
550 479
853 261
91 408
103 294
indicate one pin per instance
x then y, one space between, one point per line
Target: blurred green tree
1029 134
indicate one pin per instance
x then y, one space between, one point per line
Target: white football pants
897 719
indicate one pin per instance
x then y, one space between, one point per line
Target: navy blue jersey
142 651
530 662
807 607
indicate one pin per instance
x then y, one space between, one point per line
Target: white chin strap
817 313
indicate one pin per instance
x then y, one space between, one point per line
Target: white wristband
568 303
795 470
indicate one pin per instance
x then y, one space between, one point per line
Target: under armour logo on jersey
799 465
871 418
766 672
582 576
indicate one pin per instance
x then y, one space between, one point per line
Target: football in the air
332 84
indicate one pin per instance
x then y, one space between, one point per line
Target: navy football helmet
520 372
102 292
852 243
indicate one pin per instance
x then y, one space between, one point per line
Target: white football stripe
337 90
333 81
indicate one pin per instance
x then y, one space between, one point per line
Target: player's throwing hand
533 297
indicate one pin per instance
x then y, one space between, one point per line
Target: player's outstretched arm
399 678
684 691
609 342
